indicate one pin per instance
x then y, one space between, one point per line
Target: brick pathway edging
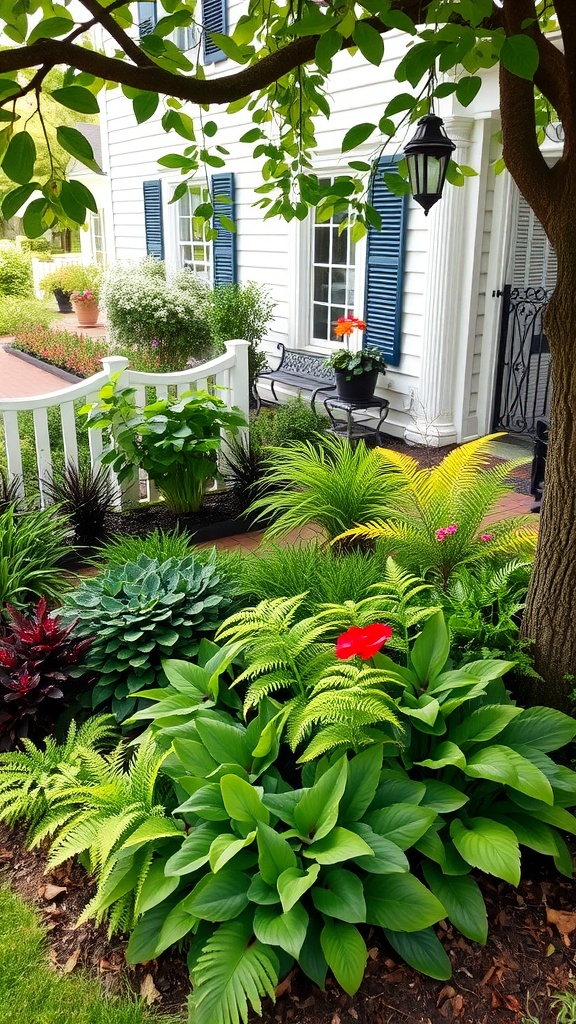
56 371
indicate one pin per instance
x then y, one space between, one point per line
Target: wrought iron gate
523 385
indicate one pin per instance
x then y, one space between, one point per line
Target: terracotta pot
87 313
359 388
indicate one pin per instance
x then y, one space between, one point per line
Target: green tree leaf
463 901
357 135
488 845
14 199
467 89
287 930
77 145
36 218
75 97
145 105
519 54
401 902
369 42
50 28
20 157
346 954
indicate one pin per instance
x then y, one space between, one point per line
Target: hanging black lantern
427 155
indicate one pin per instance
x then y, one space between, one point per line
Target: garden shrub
146 314
73 277
139 613
174 439
294 420
18 314
329 484
242 311
438 523
72 352
259 861
36 653
33 545
15 271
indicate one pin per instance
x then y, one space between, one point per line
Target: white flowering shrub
154 317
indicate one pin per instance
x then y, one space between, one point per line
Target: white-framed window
97 237
194 249
334 274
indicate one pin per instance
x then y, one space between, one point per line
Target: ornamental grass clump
139 613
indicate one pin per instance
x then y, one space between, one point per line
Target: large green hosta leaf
488 845
463 901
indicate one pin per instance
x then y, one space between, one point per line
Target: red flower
363 641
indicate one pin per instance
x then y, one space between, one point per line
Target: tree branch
566 15
102 16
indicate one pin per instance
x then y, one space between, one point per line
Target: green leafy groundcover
215 834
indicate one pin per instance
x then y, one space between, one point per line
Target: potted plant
68 278
85 304
175 440
356 372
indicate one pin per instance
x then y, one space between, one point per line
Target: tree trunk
550 615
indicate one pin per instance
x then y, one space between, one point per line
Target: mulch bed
529 955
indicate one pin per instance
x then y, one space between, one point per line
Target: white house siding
278 255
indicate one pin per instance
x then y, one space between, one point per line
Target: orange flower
346 324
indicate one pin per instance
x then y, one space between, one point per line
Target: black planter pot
358 388
63 300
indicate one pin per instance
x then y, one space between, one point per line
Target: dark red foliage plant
35 655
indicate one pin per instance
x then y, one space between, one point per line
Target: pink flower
446 531
363 641
485 537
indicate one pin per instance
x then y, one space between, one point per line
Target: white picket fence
228 373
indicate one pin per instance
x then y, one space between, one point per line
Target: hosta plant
175 440
256 862
439 521
36 655
138 614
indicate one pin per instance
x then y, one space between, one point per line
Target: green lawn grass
32 993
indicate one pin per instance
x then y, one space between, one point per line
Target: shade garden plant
217 835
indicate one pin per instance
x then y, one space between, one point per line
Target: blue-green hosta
139 613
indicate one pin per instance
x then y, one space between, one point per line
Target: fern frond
231 974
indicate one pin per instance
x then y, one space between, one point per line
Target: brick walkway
19 379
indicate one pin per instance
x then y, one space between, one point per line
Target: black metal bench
299 369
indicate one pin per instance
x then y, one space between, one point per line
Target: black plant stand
354 429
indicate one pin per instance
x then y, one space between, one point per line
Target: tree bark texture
550 615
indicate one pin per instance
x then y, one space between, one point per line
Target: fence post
240 387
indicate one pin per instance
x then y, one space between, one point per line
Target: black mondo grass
84 495
10 496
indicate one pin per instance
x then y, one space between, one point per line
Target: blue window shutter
224 246
147 17
385 268
214 19
153 218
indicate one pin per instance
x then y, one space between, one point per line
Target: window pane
321 284
322 244
321 328
184 229
339 247
338 290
